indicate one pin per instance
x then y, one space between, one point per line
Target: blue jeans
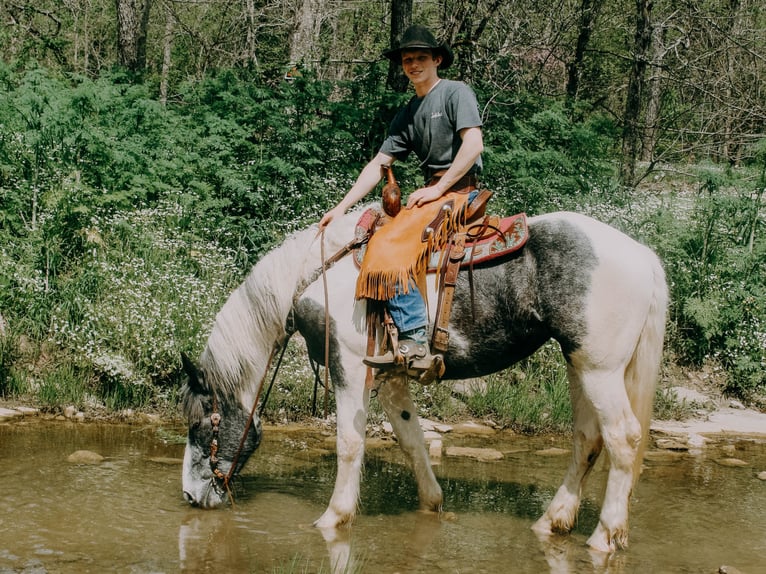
408 310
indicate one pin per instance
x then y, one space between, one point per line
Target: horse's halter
219 477
221 481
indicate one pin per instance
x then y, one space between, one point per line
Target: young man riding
441 124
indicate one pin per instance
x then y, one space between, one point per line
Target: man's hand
336 211
424 195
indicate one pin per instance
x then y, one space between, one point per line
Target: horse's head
215 448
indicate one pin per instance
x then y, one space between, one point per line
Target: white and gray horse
601 295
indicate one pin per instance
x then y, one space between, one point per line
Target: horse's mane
253 318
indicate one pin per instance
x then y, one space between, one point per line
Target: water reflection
126 514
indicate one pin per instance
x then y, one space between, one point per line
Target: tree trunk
588 12
167 51
305 37
728 145
249 56
652 115
634 100
132 23
401 18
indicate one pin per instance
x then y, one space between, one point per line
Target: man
441 124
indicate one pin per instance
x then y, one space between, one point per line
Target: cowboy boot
391 357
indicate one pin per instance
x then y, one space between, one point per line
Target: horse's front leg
394 395
352 399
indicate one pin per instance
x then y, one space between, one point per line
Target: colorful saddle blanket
508 235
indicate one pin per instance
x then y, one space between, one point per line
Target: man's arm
470 150
365 183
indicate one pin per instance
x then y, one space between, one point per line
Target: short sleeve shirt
430 126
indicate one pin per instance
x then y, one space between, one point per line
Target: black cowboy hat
419 37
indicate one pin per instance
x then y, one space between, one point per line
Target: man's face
420 66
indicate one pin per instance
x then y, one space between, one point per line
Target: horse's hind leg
622 436
394 396
561 513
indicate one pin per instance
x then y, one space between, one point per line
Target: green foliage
540 159
124 224
11 381
293 394
716 265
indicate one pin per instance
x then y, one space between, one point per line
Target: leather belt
465 184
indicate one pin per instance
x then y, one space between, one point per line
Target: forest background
152 150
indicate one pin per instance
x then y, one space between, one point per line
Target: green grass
532 396
63 385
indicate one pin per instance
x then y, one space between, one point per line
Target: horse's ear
195 384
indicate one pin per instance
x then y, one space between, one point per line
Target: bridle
220 480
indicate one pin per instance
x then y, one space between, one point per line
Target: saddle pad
511 235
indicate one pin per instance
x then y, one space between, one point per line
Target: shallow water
126 514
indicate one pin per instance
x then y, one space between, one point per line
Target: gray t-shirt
430 126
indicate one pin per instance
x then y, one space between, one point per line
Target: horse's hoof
543 526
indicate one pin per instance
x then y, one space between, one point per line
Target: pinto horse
601 295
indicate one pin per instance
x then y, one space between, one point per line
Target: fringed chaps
398 252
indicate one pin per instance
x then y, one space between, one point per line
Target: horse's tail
643 370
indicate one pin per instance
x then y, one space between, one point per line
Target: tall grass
532 396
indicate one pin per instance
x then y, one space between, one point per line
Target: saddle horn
391 195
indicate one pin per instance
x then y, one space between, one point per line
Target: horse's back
618 281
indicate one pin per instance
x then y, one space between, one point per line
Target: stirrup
416 358
433 372
383 361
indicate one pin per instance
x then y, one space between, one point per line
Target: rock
729 449
670 444
435 449
472 428
732 462
85 457
553 451
387 428
482 454
165 460
8 414
690 396
762 475
28 411
729 570
723 421
431 435
664 455
69 412
428 425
